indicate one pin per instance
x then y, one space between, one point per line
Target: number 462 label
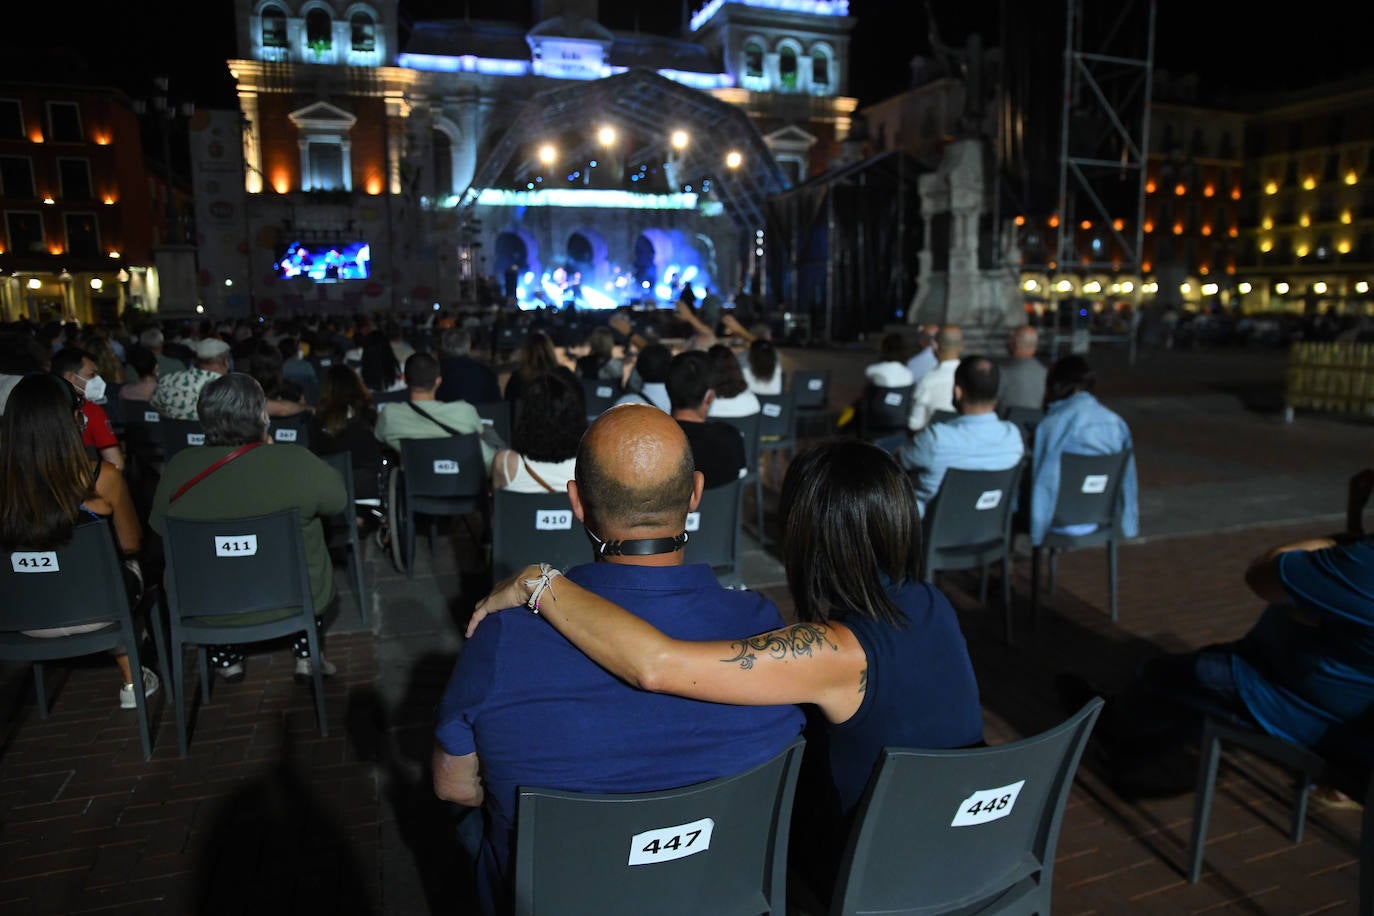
668 843
987 805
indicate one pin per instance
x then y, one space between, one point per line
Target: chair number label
286 435
326 363
195 438
34 562
445 466
553 520
987 805
488 421
668 843
1095 483
772 410
988 499
892 399
813 384
236 545
151 416
693 521
603 391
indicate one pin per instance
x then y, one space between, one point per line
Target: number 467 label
987 805
668 843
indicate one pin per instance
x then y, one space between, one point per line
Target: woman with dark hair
239 473
536 356
763 369
284 398
733 397
550 418
378 366
877 653
51 485
601 364
346 421
144 364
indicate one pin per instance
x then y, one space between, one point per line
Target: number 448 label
668 843
987 805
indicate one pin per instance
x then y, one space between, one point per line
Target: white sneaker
304 671
127 700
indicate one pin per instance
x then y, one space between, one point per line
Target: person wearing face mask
77 367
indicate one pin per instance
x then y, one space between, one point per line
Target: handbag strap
241 450
537 479
435 420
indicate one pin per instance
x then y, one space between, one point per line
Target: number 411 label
668 843
987 805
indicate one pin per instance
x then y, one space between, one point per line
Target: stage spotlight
679 139
733 159
606 135
547 154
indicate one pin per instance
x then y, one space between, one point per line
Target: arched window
443 163
753 59
319 30
273 28
364 32
820 68
787 68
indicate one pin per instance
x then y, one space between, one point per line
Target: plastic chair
968 525
713 530
1089 493
496 415
143 440
1308 767
749 429
222 569
179 434
884 411
294 429
963 831
535 528
810 390
79 583
601 395
443 476
717 847
342 530
1025 418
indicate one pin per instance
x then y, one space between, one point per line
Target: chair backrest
180 434
777 419
943 416
1026 419
530 526
810 389
886 408
943 830
449 467
717 847
78 583
294 429
748 428
972 510
1089 489
232 566
343 463
398 396
496 415
713 531
143 433
600 396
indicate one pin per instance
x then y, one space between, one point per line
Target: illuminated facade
347 136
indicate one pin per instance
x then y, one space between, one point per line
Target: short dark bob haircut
851 530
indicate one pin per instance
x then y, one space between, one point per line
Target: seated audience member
346 422
548 425
717 447
464 378
177 393
154 340
521 708
1023 375
101 346
536 356
77 368
378 366
976 440
297 370
1304 672
733 397
265 477
423 417
51 486
143 362
890 370
264 363
1076 422
601 364
877 654
935 390
924 359
763 369
400 347
648 381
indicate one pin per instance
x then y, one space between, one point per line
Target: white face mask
94 389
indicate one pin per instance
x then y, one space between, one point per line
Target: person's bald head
635 474
1023 342
950 341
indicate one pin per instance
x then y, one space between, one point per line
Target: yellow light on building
35 283
1345 217
1309 183
1235 193
1180 189
1267 223
1301 251
1204 269
1244 287
679 139
1149 226
1343 246
1185 288
1209 190
1362 287
1127 286
1020 220
1305 220
114 255
97 283
733 159
1233 232
1054 220
1351 177
1030 286
606 135
1064 286
547 154
1271 187
1178 228
1281 288
1319 288
1206 228
1210 289
1118 224
1266 245
1149 187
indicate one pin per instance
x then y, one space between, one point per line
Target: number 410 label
668 843
987 805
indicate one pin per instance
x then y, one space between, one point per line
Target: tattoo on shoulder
863 680
803 639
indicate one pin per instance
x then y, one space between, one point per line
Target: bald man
935 390
1023 375
523 707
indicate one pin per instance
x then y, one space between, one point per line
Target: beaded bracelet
543 581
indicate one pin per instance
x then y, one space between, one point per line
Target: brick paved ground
264 814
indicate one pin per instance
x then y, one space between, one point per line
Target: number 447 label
668 843
987 805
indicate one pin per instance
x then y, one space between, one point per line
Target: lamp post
175 258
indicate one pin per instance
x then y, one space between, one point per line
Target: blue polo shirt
978 442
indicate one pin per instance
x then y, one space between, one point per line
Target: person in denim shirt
1076 422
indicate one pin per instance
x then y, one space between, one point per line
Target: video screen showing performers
325 263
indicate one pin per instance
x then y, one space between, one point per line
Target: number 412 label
668 843
987 805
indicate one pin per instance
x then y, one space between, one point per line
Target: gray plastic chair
713 531
749 428
810 389
602 855
294 429
342 530
496 416
179 434
443 476
600 395
535 528
968 526
884 411
963 831
1089 493
221 569
80 583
